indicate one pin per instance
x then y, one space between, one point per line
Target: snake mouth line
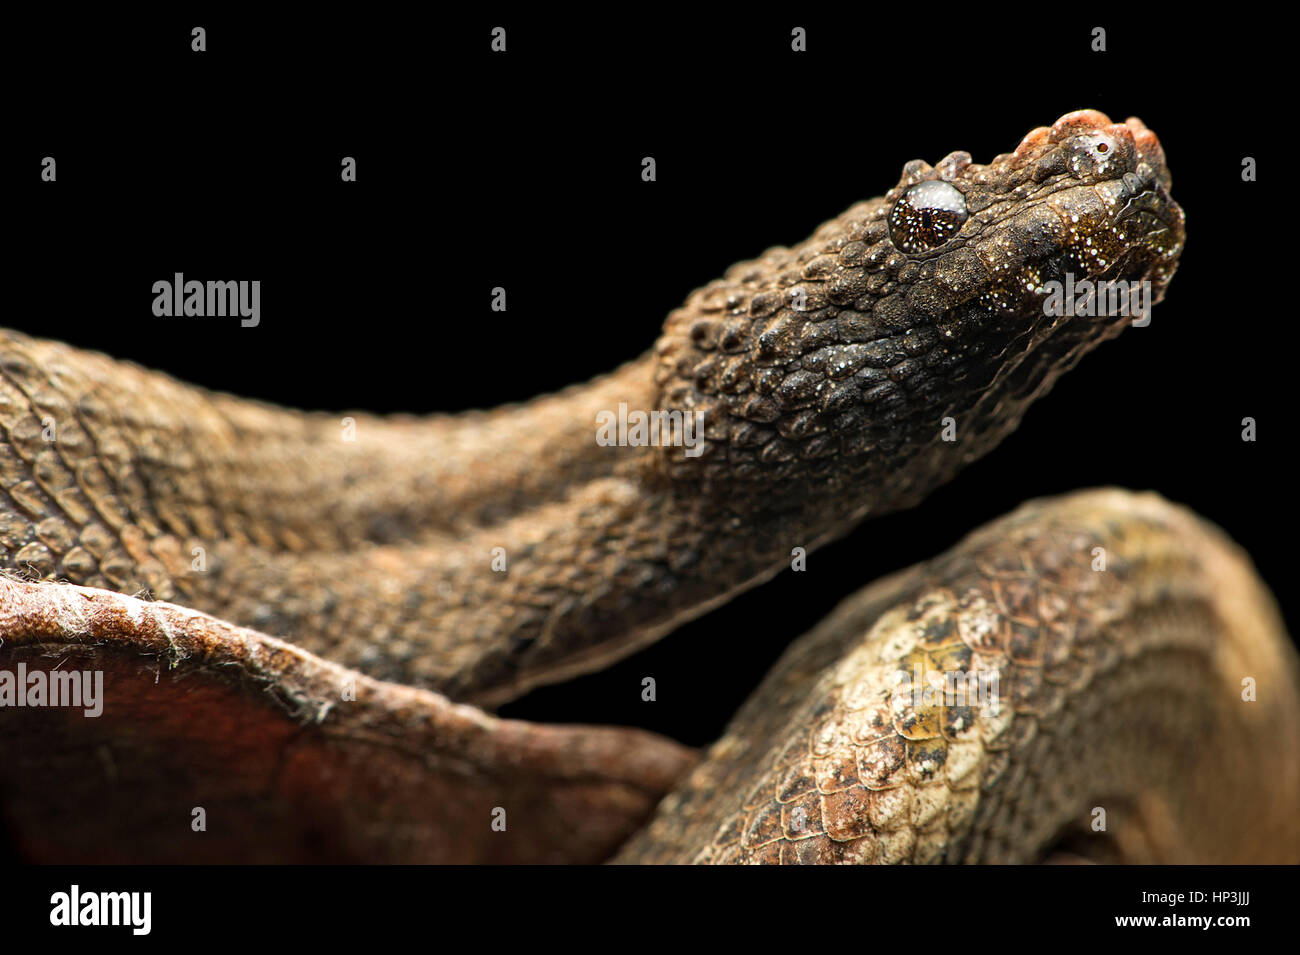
849 375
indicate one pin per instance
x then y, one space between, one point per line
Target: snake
306 620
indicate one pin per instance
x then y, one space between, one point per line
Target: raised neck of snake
483 553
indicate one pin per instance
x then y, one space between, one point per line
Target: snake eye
1093 154
926 216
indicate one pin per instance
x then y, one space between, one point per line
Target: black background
522 170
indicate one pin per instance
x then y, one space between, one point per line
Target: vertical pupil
927 220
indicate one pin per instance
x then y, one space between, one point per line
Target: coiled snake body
373 586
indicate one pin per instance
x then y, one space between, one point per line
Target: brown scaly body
1123 689
825 375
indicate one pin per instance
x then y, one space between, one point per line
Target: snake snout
1149 150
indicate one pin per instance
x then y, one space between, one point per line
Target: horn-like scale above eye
926 216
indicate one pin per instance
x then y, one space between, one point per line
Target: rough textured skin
823 371
825 374
1120 689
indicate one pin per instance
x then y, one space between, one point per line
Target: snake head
908 335
1084 197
